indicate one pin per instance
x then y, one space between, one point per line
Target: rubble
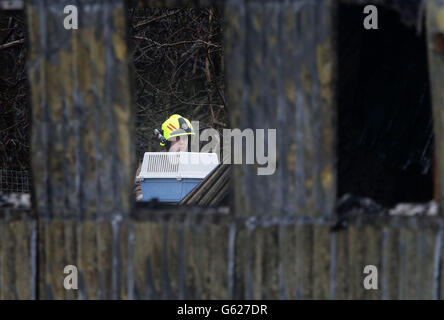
15 200
415 209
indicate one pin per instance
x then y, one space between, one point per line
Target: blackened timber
302 101
18 246
82 143
213 188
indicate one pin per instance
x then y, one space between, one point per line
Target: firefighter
176 136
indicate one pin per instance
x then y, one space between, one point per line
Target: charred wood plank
300 104
435 47
82 142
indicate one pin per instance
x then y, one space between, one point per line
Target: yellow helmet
175 126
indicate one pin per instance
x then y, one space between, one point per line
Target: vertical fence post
82 147
280 76
280 69
435 47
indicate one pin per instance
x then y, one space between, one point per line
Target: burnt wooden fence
275 242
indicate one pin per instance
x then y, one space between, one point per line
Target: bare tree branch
11 44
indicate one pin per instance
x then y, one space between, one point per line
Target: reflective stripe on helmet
176 125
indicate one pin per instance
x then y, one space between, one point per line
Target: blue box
167 189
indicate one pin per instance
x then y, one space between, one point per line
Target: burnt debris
352 206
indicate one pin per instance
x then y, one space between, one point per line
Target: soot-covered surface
385 129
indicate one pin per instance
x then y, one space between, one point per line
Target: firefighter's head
177 130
